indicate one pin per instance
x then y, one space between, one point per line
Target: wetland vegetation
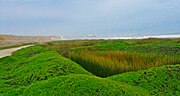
93 67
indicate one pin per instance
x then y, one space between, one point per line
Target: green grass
83 85
162 81
34 64
39 71
42 70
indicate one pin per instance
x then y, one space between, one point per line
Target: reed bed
107 63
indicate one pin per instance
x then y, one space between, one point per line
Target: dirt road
8 52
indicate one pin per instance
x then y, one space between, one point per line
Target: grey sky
83 17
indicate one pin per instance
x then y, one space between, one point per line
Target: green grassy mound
34 64
163 81
40 71
82 85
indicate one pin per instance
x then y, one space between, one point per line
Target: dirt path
8 52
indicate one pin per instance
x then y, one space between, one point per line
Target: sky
84 17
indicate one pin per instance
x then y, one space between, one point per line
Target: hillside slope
162 81
33 64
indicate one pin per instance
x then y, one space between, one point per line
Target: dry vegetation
108 63
70 44
2 38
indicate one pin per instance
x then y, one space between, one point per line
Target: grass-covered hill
39 71
42 71
83 85
34 64
162 81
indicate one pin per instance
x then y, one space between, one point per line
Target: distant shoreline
120 37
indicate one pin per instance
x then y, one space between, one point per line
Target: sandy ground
13 40
8 52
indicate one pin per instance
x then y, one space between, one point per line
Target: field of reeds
108 63
108 57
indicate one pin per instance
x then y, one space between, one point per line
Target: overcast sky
83 17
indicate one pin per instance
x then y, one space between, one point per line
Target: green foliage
162 81
23 68
82 85
41 70
29 52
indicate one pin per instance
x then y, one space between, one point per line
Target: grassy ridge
34 64
165 46
162 81
39 71
83 85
